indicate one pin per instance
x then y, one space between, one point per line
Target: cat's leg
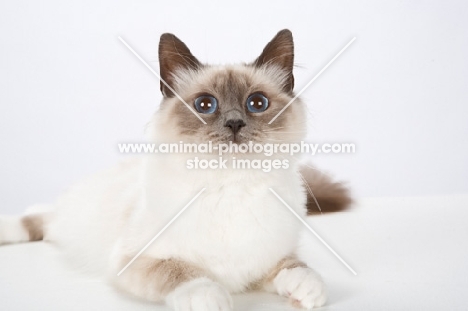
25 228
294 279
183 286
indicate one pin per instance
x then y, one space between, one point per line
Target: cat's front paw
200 295
303 286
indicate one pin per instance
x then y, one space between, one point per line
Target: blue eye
206 104
257 103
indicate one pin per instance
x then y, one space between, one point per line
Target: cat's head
236 102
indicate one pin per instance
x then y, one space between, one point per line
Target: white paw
303 286
200 295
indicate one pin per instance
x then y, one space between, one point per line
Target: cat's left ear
173 55
280 52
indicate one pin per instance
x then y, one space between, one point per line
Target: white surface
70 91
410 254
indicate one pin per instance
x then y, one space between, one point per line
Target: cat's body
236 235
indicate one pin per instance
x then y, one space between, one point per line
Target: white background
70 91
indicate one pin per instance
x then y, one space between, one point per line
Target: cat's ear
173 55
280 52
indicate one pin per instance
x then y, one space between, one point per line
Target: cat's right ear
173 55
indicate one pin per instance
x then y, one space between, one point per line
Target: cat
236 236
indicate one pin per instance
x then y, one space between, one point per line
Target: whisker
310 191
277 140
301 132
276 128
305 164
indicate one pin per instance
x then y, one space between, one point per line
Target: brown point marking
34 224
161 275
172 272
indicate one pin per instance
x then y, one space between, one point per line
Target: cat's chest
230 215
224 206
235 227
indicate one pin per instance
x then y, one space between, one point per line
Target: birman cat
236 235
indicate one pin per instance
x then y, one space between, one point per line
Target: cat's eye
206 104
257 102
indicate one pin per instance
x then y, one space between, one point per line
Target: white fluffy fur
12 230
94 213
237 229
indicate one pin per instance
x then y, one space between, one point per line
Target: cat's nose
235 125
